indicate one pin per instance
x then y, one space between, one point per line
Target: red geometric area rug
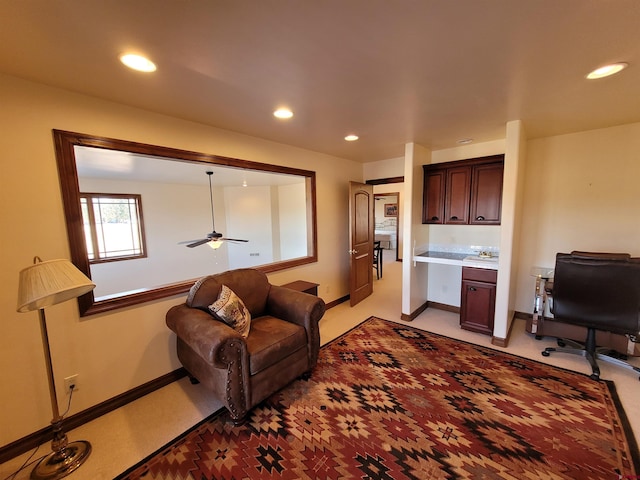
388 401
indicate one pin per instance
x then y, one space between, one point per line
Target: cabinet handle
472 289
434 218
454 218
479 217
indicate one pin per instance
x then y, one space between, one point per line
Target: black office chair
599 291
377 258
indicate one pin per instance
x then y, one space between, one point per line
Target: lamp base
62 463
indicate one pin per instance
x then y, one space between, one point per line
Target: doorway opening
386 220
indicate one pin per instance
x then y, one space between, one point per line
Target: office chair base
591 353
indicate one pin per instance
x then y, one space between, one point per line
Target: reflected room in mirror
133 209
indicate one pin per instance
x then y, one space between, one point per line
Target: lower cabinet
478 299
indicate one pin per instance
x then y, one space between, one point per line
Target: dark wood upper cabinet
486 194
456 204
465 192
433 199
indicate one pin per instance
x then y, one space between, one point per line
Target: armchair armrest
300 308
204 334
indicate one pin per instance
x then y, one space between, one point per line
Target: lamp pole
64 458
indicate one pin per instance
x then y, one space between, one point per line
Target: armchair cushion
231 310
271 341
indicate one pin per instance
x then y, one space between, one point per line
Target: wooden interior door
361 241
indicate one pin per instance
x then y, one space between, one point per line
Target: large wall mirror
132 210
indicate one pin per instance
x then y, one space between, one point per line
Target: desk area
458 259
477 271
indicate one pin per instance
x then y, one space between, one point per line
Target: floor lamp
41 285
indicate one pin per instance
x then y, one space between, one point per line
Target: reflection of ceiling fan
214 239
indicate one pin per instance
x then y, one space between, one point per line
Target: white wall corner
414 278
511 204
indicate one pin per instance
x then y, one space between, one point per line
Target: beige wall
581 192
115 352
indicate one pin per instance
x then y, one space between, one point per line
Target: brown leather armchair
597 291
282 344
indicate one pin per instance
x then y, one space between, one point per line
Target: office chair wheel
545 353
594 376
561 343
538 337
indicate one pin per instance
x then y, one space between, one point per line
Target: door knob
352 252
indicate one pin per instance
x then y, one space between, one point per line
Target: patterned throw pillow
231 310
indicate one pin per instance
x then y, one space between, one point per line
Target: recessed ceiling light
464 141
351 138
283 113
138 62
607 70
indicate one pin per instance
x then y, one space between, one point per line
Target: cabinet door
456 209
486 194
433 196
477 306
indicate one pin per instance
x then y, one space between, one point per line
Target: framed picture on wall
390 209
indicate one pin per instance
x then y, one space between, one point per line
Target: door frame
397 195
384 181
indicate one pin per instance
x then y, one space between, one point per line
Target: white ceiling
100 163
391 71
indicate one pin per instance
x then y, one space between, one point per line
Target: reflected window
113 226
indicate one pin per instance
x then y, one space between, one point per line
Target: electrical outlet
71 381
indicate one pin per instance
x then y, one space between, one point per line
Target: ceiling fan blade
233 239
199 242
189 241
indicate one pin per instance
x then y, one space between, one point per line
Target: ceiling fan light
215 244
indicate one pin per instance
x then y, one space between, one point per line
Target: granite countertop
458 259
444 255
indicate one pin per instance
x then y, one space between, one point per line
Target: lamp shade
50 282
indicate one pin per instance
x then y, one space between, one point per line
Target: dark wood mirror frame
65 154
